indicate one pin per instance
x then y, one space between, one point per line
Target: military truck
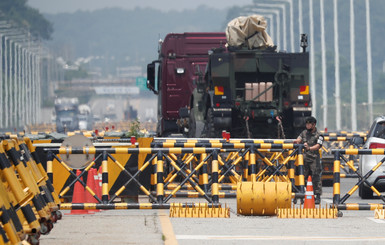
173 76
67 111
235 81
250 89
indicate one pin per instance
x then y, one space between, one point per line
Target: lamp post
323 67
290 2
312 71
369 60
270 25
1 78
337 67
282 7
300 17
353 69
276 14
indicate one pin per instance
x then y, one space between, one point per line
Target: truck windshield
69 113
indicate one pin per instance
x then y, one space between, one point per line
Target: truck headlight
179 70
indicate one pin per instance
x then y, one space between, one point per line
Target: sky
70 6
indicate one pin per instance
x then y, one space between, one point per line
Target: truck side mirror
151 77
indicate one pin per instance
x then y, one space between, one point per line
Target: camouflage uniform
312 164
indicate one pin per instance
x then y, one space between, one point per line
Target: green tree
30 18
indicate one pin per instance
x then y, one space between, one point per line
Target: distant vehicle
375 140
182 59
66 114
130 113
85 117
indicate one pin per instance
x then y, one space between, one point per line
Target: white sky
60 6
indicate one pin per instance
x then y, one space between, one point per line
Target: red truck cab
182 59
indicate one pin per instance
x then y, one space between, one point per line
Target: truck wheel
192 125
365 192
211 132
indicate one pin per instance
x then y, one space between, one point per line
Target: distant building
129 72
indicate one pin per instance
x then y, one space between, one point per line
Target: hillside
125 37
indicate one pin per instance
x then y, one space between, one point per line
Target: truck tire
210 127
365 192
192 125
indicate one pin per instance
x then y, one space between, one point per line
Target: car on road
375 140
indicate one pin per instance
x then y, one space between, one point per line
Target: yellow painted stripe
167 229
145 206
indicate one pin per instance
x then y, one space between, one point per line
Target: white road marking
379 221
260 238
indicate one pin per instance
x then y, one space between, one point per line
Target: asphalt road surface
155 227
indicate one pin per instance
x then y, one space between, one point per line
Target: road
155 227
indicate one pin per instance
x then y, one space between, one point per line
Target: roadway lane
154 226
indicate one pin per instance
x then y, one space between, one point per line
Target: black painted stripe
4 162
28 213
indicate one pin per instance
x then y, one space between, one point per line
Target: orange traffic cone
309 195
78 196
91 184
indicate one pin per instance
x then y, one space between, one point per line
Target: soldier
312 141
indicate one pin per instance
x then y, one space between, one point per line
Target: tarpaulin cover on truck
249 31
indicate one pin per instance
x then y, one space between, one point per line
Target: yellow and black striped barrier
27 207
338 141
262 146
340 202
205 166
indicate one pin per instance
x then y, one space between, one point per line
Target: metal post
159 178
1 80
369 60
336 180
353 68
12 81
290 2
6 82
301 170
214 177
323 67
300 17
282 7
337 67
105 177
312 65
276 13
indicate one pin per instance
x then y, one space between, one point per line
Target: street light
300 18
337 67
290 2
276 14
369 60
353 69
282 7
323 67
270 25
312 68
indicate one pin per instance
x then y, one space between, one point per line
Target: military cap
311 120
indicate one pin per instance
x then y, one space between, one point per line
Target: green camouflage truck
252 92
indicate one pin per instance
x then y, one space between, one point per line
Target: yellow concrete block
198 211
379 213
307 213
